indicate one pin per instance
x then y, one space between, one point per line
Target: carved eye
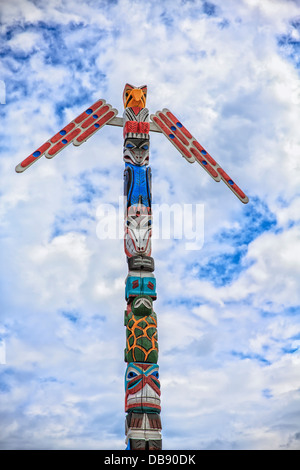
127 94
155 374
145 147
131 375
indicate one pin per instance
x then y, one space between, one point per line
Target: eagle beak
137 95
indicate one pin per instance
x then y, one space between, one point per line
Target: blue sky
228 314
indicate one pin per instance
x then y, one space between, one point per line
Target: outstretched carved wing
77 131
191 150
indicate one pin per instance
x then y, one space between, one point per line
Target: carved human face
142 388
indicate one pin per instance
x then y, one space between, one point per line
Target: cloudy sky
228 313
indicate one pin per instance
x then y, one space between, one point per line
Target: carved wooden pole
142 386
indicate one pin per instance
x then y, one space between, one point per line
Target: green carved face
142 305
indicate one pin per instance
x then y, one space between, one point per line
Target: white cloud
25 41
274 275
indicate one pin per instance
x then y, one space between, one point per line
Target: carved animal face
138 231
136 156
134 96
142 388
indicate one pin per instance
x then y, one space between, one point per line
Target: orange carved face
134 97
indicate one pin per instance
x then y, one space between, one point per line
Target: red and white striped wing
191 150
77 131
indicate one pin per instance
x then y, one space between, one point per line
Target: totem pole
142 394
142 385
